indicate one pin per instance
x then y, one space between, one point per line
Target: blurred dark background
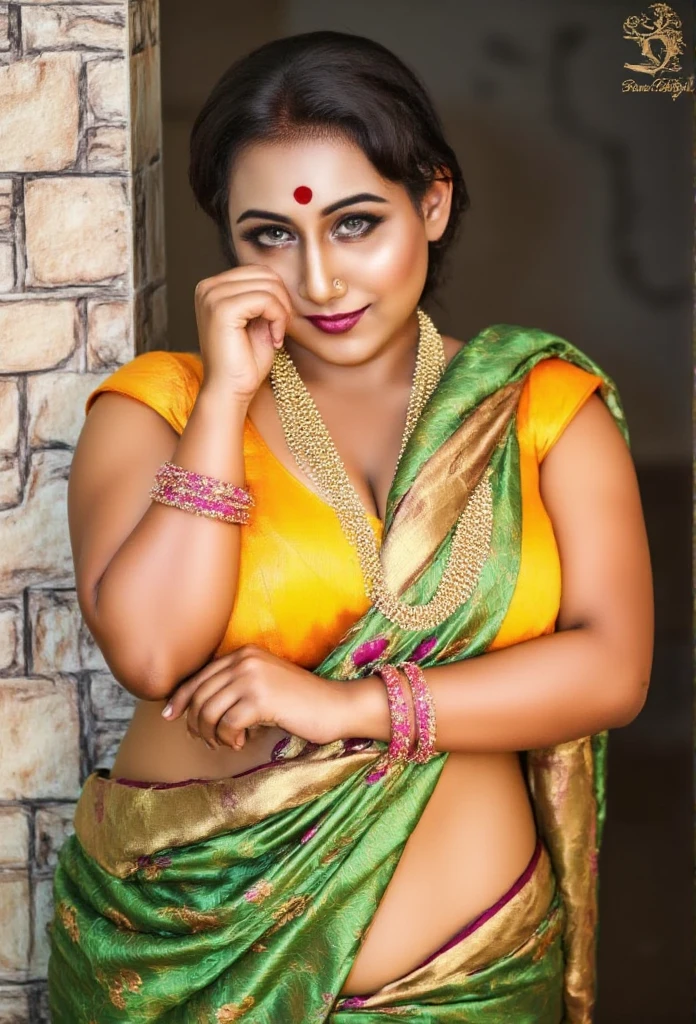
581 224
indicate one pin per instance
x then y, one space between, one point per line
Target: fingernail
167 710
211 745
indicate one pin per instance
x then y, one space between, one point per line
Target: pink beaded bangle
399 714
425 712
199 483
202 495
200 506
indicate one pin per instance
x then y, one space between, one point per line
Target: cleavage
373 486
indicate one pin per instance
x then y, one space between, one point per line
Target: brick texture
82 291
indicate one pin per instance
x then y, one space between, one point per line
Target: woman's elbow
142 680
626 667
148 686
627 700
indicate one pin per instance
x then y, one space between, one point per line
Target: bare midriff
474 839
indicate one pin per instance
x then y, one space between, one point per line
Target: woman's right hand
242 315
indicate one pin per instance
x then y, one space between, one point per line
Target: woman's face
377 245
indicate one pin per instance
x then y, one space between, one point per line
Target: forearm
544 691
167 594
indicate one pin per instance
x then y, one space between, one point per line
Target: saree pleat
247 898
276 907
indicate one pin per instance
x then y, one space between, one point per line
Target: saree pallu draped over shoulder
246 898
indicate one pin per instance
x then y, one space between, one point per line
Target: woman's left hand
251 687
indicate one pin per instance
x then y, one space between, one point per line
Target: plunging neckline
308 490
300 483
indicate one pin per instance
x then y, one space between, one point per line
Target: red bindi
302 194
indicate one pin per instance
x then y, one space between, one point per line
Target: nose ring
338 283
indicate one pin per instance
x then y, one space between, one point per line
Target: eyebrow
361 197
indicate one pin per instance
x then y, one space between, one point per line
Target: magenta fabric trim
142 784
486 915
350 746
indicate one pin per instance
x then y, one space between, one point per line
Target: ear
436 206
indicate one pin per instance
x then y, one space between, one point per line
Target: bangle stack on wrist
425 712
208 496
200 494
399 714
400 751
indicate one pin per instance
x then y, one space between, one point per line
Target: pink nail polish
166 711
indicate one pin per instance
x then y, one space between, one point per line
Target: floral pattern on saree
203 847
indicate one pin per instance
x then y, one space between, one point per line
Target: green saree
246 898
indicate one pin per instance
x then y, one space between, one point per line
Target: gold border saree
246 898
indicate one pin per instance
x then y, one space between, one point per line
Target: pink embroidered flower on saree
369 651
309 833
422 649
259 892
376 775
352 1003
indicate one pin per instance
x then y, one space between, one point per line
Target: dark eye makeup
254 235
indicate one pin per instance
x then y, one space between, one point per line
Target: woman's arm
155 584
591 674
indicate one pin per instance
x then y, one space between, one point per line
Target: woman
256 855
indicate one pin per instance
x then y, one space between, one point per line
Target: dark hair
325 84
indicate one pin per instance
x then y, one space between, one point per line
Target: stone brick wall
81 291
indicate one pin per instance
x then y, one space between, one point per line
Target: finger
237 743
263 305
179 700
232 724
271 286
238 307
244 735
243 272
219 689
216 706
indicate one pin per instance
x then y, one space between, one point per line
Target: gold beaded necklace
312 446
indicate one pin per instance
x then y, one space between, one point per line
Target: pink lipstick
338 323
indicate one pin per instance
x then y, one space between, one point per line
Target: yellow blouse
300 585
